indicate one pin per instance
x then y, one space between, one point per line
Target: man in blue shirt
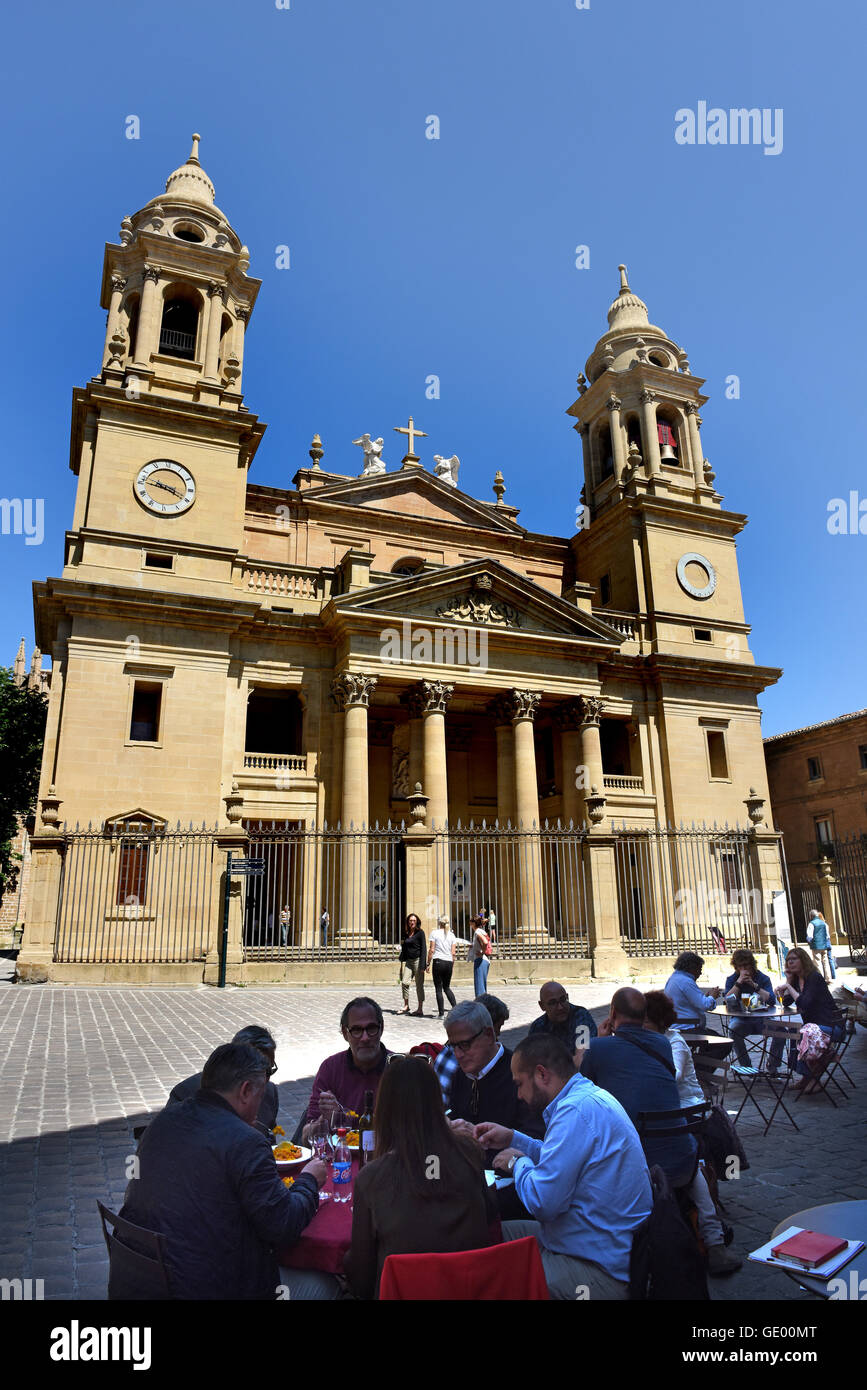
562 1019
690 1002
586 1183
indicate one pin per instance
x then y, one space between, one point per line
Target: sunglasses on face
410 1057
373 1030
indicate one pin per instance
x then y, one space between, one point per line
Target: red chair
512 1271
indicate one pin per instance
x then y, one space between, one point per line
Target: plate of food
288 1156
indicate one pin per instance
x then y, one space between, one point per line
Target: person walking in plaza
412 963
441 960
480 955
819 941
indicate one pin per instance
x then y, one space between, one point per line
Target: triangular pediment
414 492
482 593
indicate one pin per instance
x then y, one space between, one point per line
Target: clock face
165 487
696 575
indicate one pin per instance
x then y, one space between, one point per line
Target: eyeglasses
372 1029
467 1042
561 999
409 1057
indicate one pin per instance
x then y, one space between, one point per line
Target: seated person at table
446 1063
585 1183
561 1019
659 1018
344 1077
689 1001
637 1068
208 1183
261 1039
807 990
482 1087
424 1191
748 979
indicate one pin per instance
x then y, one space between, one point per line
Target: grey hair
471 1012
230 1065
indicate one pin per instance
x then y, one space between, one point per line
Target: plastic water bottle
341 1169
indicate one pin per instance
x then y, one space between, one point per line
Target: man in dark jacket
261 1039
208 1183
561 1019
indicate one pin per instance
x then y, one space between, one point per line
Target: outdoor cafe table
843 1219
776 1014
324 1242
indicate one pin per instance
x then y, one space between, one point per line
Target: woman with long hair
412 962
424 1190
810 994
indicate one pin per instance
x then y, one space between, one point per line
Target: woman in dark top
424 1192
808 991
413 952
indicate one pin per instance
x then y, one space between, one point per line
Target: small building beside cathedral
282 718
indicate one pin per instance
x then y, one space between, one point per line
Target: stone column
351 693
618 447
610 961
500 710
693 420
235 839
147 341
47 849
429 700
411 699
212 340
235 369
531 908
118 285
588 465
649 433
589 711
575 783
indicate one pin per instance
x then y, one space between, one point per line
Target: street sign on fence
251 868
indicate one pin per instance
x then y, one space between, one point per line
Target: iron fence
850 871
534 882
326 894
137 894
682 888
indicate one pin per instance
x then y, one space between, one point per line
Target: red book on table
809 1248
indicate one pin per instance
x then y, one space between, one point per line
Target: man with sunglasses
482 1088
343 1078
261 1039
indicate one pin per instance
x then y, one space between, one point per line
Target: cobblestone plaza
82 1066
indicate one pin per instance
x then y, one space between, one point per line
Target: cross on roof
412 432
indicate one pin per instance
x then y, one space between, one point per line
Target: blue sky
455 257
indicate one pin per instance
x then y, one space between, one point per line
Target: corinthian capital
118 284
433 696
589 708
524 704
647 396
348 689
152 272
613 403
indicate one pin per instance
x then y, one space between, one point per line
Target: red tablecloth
323 1244
326 1240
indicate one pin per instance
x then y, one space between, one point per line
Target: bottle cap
341 1131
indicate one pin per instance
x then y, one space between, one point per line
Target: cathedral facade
385 692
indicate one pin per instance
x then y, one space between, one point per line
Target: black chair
671 1124
775 1075
136 1260
818 1081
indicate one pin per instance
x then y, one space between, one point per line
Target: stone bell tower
656 541
161 440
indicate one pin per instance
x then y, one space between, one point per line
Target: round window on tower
187 231
659 359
